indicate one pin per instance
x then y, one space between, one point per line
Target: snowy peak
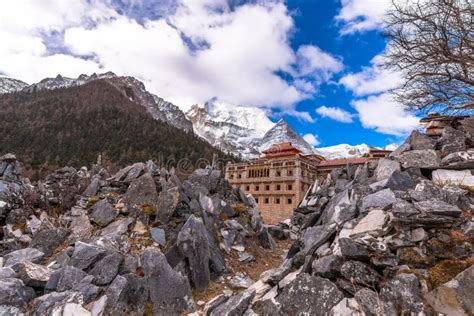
9 85
242 130
283 132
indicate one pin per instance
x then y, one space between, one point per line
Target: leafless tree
432 45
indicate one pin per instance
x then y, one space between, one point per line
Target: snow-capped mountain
241 130
343 151
283 132
8 85
348 151
133 88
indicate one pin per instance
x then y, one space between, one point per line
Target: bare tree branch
432 45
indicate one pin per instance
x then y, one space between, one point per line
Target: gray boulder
106 268
13 292
141 196
404 293
419 141
360 273
85 255
34 275
55 304
235 305
64 279
452 140
315 236
327 267
380 200
419 159
169 291
385 168
47 240
103 213
194 245
26 254
438 208
352 250
306 294
167 202
400 181
371 304
158 235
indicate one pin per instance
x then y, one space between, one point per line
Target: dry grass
265 259
447 269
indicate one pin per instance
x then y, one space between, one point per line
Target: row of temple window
262 173
277 200
278 187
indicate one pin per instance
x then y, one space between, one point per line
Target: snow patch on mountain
246 131
343 151
9 85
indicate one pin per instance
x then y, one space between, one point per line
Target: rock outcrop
84 242
393 237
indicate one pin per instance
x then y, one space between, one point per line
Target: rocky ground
84 242
394 237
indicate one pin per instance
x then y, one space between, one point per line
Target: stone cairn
392 237
83 242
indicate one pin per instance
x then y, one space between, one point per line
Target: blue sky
317 63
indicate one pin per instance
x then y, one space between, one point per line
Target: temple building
278 180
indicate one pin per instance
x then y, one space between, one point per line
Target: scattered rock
103 213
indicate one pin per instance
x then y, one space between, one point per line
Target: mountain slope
72 126
159 108
8 85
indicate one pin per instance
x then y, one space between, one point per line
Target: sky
316 63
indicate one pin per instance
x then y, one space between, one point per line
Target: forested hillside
72 126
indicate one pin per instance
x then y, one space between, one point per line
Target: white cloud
301 115
200 50
384 115
335 113
362 15
312 61
373 79
311 139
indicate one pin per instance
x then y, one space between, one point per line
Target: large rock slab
65 278
235 305
106 268
380 200
141 196
385 168
372 224
194 245
360 273
419 159
315 236
463 178
103 213
404 293
85 255
438 208
306 295
18 256
456 296
47 240
34 275
14 292
167 202
169 291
